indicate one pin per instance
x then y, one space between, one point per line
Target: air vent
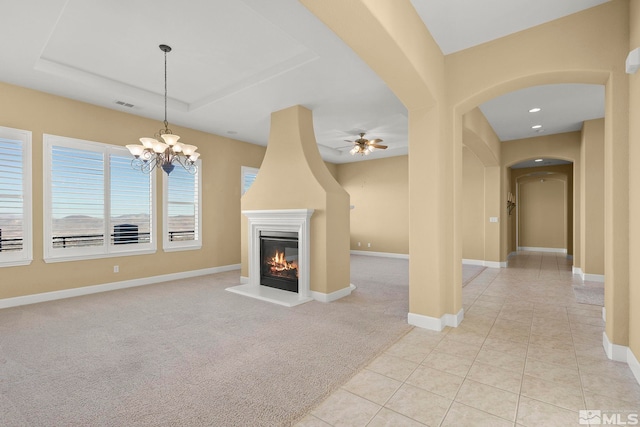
124 104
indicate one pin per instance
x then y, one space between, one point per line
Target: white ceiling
236 61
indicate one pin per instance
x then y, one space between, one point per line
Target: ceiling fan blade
374 141
381 147
346 140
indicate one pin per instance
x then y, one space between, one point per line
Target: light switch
493 219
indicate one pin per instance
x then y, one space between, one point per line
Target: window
95 205
248 176
182 209
15 197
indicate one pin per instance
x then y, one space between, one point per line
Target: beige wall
563 173
542 214
221 161
473 199
634 190
379 191
592 198
564 146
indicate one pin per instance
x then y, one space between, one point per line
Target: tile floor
526 354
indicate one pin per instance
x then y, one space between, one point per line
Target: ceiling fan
364 146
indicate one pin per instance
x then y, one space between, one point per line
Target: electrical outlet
368 245
116 268
358 243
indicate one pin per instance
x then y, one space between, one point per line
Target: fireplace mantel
291 220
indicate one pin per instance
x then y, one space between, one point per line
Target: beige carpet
188 353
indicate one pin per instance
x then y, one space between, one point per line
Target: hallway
526 354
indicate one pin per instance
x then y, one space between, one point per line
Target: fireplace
279 260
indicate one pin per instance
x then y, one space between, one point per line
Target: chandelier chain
166 123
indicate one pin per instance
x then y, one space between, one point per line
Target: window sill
98 256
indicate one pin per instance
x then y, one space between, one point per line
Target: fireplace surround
278 222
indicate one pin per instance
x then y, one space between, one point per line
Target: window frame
25 255
185 245
106 250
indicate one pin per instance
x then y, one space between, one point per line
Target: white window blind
77 198
182 213
15 197
96 205
248 176
131 202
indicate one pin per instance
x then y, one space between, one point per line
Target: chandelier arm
187 164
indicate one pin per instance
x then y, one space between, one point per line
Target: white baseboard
483 263
496 264
434 323
593 277
634 365
535 249
244 280
614 351
381 254
587 276
94 289
621 353
333 296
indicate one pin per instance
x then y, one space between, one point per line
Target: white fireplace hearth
283 220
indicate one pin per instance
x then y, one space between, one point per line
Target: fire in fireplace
279 260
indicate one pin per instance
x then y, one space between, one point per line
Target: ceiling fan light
354 150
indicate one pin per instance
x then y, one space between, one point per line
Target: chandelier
155 153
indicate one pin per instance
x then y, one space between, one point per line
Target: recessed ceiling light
536 126
535 110
537 160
